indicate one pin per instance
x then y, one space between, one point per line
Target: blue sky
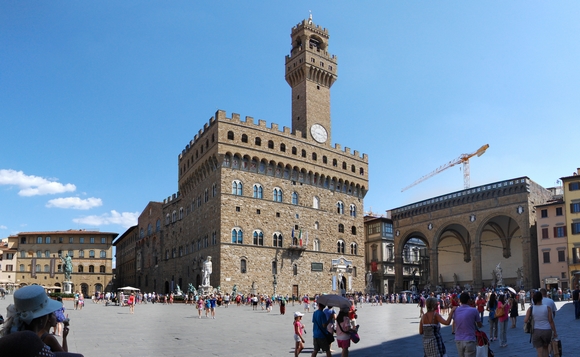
98 98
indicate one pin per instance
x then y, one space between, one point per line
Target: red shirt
481 305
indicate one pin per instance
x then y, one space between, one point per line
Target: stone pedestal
205 290
67 288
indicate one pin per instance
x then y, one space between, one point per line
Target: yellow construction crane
463 159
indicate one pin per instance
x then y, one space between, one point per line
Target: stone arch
501 231
451 243
423 274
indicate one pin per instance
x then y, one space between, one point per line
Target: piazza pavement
175 330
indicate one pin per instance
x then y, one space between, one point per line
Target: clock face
318 133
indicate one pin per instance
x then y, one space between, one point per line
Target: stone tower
311 71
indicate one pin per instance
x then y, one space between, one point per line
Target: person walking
491 306
544 327
503 306
430 328
576 300
343 332
513 312
466 320
131 303
480 302
298 332
319 332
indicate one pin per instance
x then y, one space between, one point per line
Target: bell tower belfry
311 71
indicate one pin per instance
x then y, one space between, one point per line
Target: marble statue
498 273
455 278
191 289
207 268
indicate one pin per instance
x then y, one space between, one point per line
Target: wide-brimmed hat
27 344
31 302
298 313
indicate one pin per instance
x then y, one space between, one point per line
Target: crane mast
462 159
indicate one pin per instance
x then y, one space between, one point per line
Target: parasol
334 301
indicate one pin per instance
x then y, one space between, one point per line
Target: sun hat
28 344
31 302
298 313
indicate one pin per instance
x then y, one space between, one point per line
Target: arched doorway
412 263
501 244
85 289
454 265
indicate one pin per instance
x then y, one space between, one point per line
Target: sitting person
34 311
27 344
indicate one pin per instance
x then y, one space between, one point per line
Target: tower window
294 151
324 160
270 144
312 60
230 135
314 157
283 147
344 165
334 163
303 153
258 142
244 138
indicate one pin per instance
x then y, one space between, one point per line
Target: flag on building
300 237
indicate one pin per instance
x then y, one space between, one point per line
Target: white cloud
33 185
3 227
75 203
124 219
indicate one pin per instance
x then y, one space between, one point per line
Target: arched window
353 248
237 187
230 135
315 202
102 269
103 254
244 138
243 266
173 216
81 269
352 168
237 236
283 147
167 219
149 229
47 253
91 253
277 240
270 144
91 268
340 247
314 156
294 150
294 269
213 190
316 245
340 228
324 160
353 230
37 268
258 142
316 225
294 198
277 193
258 191
258 238
344 165
274 267
46 268
180 213
362 171
334 163
352 210
340 207
21 267
303 153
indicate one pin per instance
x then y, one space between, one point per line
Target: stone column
476 262
398 273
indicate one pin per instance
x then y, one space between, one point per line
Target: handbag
60 315
499 311
556 347
529 326
482 345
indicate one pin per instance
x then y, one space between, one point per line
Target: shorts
320 344
306 305
541 338
343 343
297 338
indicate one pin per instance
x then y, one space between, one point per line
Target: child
298 331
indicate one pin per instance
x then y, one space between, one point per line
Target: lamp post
274 284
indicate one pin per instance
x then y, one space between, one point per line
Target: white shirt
551 304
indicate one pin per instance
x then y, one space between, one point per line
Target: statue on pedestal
498 273
207 269
67 267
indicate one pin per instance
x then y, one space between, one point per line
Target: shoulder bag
354 337
529 326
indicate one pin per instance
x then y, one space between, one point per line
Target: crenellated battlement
311 26
274 128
